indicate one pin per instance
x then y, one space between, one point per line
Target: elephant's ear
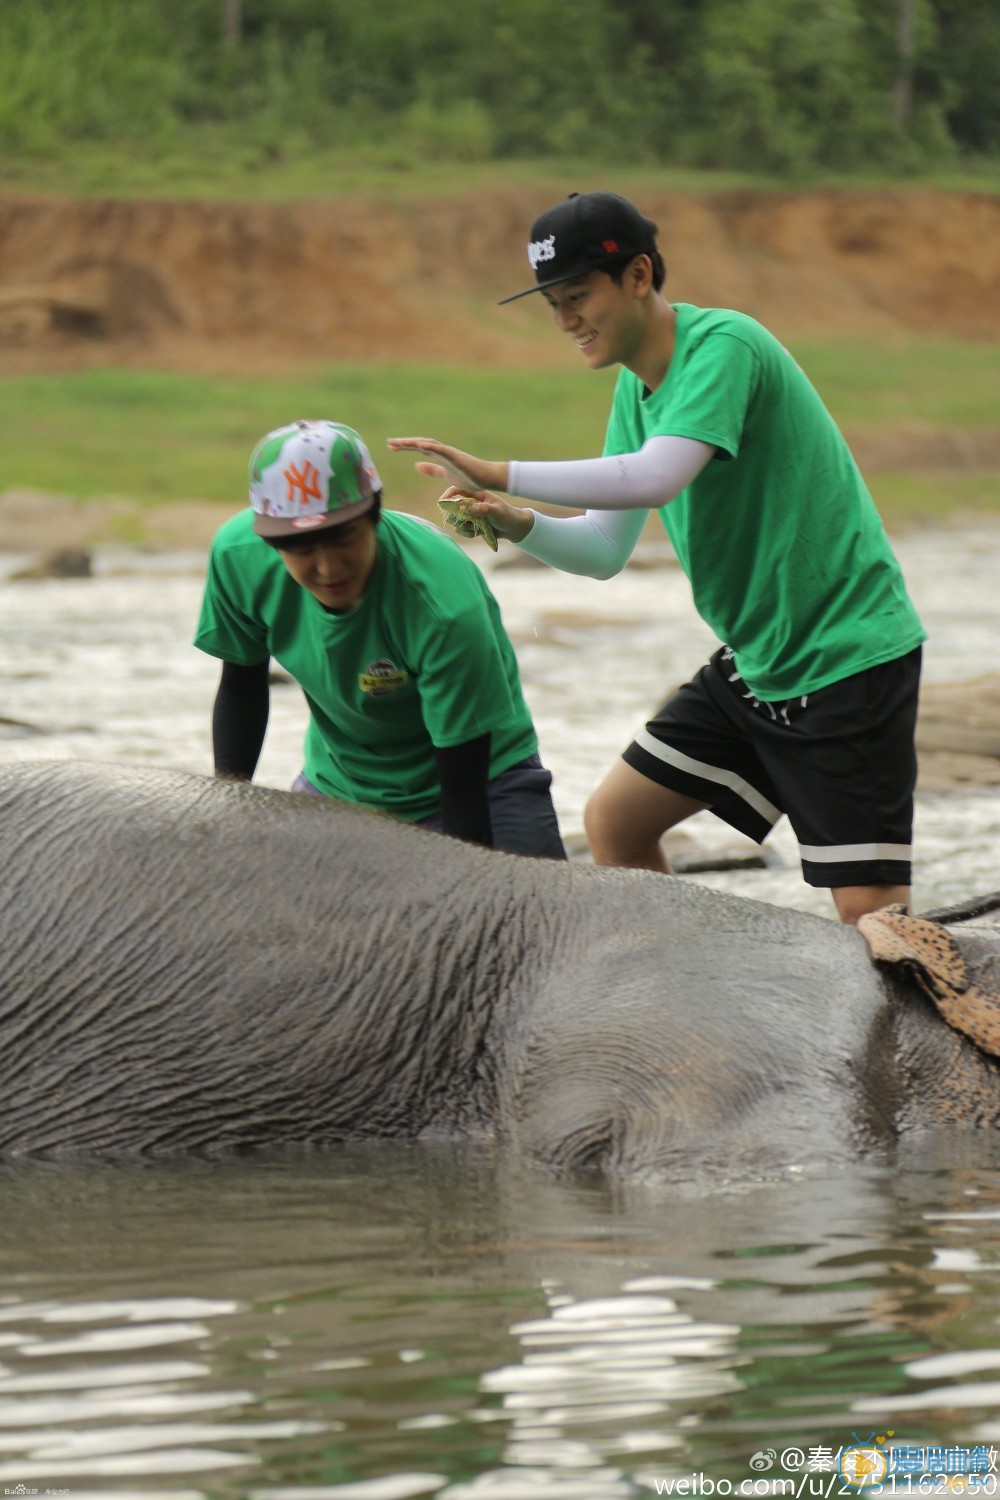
928 953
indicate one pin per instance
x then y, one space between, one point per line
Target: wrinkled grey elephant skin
192 966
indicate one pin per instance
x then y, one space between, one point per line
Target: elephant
199 967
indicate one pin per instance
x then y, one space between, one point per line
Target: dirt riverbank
220 286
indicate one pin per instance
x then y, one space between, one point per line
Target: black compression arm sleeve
463 771
239 719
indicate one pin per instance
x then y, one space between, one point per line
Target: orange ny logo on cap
305 482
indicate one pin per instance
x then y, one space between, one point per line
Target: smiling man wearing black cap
808 707
588 232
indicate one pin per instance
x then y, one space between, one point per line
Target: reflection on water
430 1321
385 1323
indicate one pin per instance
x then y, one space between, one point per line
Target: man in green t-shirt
809 707
413 688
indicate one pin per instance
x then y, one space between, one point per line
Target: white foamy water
103 669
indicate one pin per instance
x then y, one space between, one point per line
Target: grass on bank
219 163
907 500
938 382
155 436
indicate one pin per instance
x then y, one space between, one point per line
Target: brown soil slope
200 285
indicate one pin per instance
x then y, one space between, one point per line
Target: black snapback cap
585 233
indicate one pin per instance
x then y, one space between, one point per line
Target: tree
902 93
232 22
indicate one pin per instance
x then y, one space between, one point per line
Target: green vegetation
295 98
270 99
304 96
933 381
908 499
215 164
153 436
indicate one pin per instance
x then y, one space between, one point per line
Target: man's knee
627 815
617 832
855 901
598 814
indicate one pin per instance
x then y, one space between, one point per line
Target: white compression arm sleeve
645 480
597 545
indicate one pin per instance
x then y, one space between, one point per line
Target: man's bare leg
854 901
627 815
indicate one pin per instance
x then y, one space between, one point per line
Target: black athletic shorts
840 763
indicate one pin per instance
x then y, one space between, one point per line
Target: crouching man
390 630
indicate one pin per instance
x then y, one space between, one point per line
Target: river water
392 1322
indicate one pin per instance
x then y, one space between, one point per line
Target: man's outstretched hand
508 521
459 468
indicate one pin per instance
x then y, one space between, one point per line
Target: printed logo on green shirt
381 677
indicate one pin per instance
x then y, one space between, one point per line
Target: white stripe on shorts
729 779
835 854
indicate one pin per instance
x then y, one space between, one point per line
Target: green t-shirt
787 557
423 660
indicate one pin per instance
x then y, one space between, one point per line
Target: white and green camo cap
308 475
